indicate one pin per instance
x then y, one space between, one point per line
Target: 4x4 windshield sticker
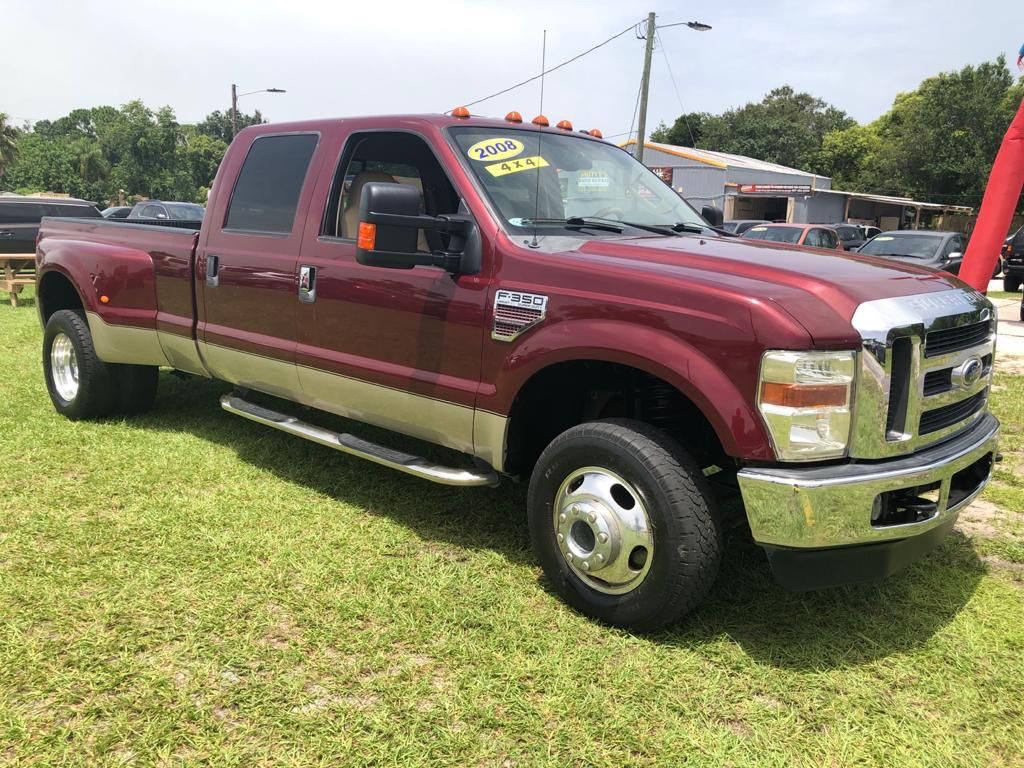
514 166
495 149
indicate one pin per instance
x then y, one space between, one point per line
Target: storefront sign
775 189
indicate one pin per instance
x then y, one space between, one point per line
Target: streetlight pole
235 96
645 84
645 81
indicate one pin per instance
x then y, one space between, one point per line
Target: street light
235 96
645 82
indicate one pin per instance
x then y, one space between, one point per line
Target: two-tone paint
412 350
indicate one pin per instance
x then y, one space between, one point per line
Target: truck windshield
565 181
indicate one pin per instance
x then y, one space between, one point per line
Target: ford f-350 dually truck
540 303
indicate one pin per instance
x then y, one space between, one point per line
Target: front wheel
622 522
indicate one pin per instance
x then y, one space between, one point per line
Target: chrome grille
956 338
954 413
924 371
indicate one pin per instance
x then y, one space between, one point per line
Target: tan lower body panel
124 343
454 426
479 433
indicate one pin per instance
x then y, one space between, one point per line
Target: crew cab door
399 348
246 274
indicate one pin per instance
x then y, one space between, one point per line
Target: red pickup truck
542 305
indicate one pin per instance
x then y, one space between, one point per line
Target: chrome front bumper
844 505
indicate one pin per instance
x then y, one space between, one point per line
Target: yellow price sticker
517 165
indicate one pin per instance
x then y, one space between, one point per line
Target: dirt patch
985 520
1004 565
283 631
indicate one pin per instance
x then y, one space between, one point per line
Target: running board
340 441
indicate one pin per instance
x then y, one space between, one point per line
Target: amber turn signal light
367 236
541 121
460 112
803 395
514 117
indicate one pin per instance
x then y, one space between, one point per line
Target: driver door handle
307 284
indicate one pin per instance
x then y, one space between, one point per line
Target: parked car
20 216
1013 267
927 248
621 357
739 226
117 212
158 209
869 231
850 235
810 235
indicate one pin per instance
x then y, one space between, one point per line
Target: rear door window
21 213
267 190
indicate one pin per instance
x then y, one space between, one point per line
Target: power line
682 109
553 69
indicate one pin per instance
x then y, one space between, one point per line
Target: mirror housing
713 215
955 256
389 224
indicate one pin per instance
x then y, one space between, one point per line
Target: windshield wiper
578 221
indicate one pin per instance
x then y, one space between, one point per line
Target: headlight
805 400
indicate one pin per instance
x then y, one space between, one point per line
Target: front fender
654 351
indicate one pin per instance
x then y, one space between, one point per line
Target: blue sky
346 58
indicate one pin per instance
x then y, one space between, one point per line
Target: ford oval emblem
968 373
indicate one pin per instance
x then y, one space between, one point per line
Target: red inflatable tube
997 207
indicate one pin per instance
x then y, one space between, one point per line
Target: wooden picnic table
19 270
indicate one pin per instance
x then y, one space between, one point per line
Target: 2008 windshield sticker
519 164
495 149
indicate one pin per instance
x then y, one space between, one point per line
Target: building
746 188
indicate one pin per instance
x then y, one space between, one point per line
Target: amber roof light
514 117
460 112
564 125
596 133
541 121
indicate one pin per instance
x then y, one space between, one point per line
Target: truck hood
819 289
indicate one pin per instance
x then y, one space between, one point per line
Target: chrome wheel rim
64 367
603 530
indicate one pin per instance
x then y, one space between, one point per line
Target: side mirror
389 224
955 256
712 215
386 238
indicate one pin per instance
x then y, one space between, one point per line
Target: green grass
1003 295
189 588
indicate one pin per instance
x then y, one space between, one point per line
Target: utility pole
645 84
234 110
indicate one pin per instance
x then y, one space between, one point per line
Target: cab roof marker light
564 125
596 133
541 121
514 117
460 113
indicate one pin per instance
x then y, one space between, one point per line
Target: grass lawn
190 588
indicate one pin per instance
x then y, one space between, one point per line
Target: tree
218 124
8 143
785 127
686 131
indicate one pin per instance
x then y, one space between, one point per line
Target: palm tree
8 143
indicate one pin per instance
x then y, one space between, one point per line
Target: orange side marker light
367 236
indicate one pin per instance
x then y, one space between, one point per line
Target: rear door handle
6 233
212 271
307 284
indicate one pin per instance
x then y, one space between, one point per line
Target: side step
339 441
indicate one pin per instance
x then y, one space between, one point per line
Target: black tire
687 539
97 392
1011 283
138 385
